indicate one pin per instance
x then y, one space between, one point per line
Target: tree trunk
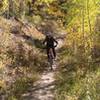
10 8
88 13
83 25
29 8
1 3
21 8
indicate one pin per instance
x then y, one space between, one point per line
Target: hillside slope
21 59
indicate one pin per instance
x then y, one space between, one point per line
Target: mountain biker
50 44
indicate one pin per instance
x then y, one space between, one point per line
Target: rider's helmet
49 35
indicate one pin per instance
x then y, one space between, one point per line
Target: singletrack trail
44 89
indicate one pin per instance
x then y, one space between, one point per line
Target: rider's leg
51 50
54 52
48 52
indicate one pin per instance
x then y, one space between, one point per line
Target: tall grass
77 80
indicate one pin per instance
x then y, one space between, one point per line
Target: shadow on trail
40 92
38 87
31 41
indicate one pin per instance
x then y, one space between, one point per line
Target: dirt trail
44 88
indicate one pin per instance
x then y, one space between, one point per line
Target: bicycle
51 58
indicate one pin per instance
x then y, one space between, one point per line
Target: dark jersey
50 42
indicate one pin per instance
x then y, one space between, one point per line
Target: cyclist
50 44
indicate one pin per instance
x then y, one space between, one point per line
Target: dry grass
20 62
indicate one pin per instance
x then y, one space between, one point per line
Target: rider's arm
55 41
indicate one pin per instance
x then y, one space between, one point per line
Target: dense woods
23 25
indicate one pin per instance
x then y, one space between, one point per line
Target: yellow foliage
2 84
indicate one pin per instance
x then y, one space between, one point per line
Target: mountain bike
51 58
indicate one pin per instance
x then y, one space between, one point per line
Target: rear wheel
51 63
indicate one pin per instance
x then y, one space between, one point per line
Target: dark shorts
53 49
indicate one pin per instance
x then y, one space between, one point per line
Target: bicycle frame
50 59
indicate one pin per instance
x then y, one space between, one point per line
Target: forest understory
24 70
